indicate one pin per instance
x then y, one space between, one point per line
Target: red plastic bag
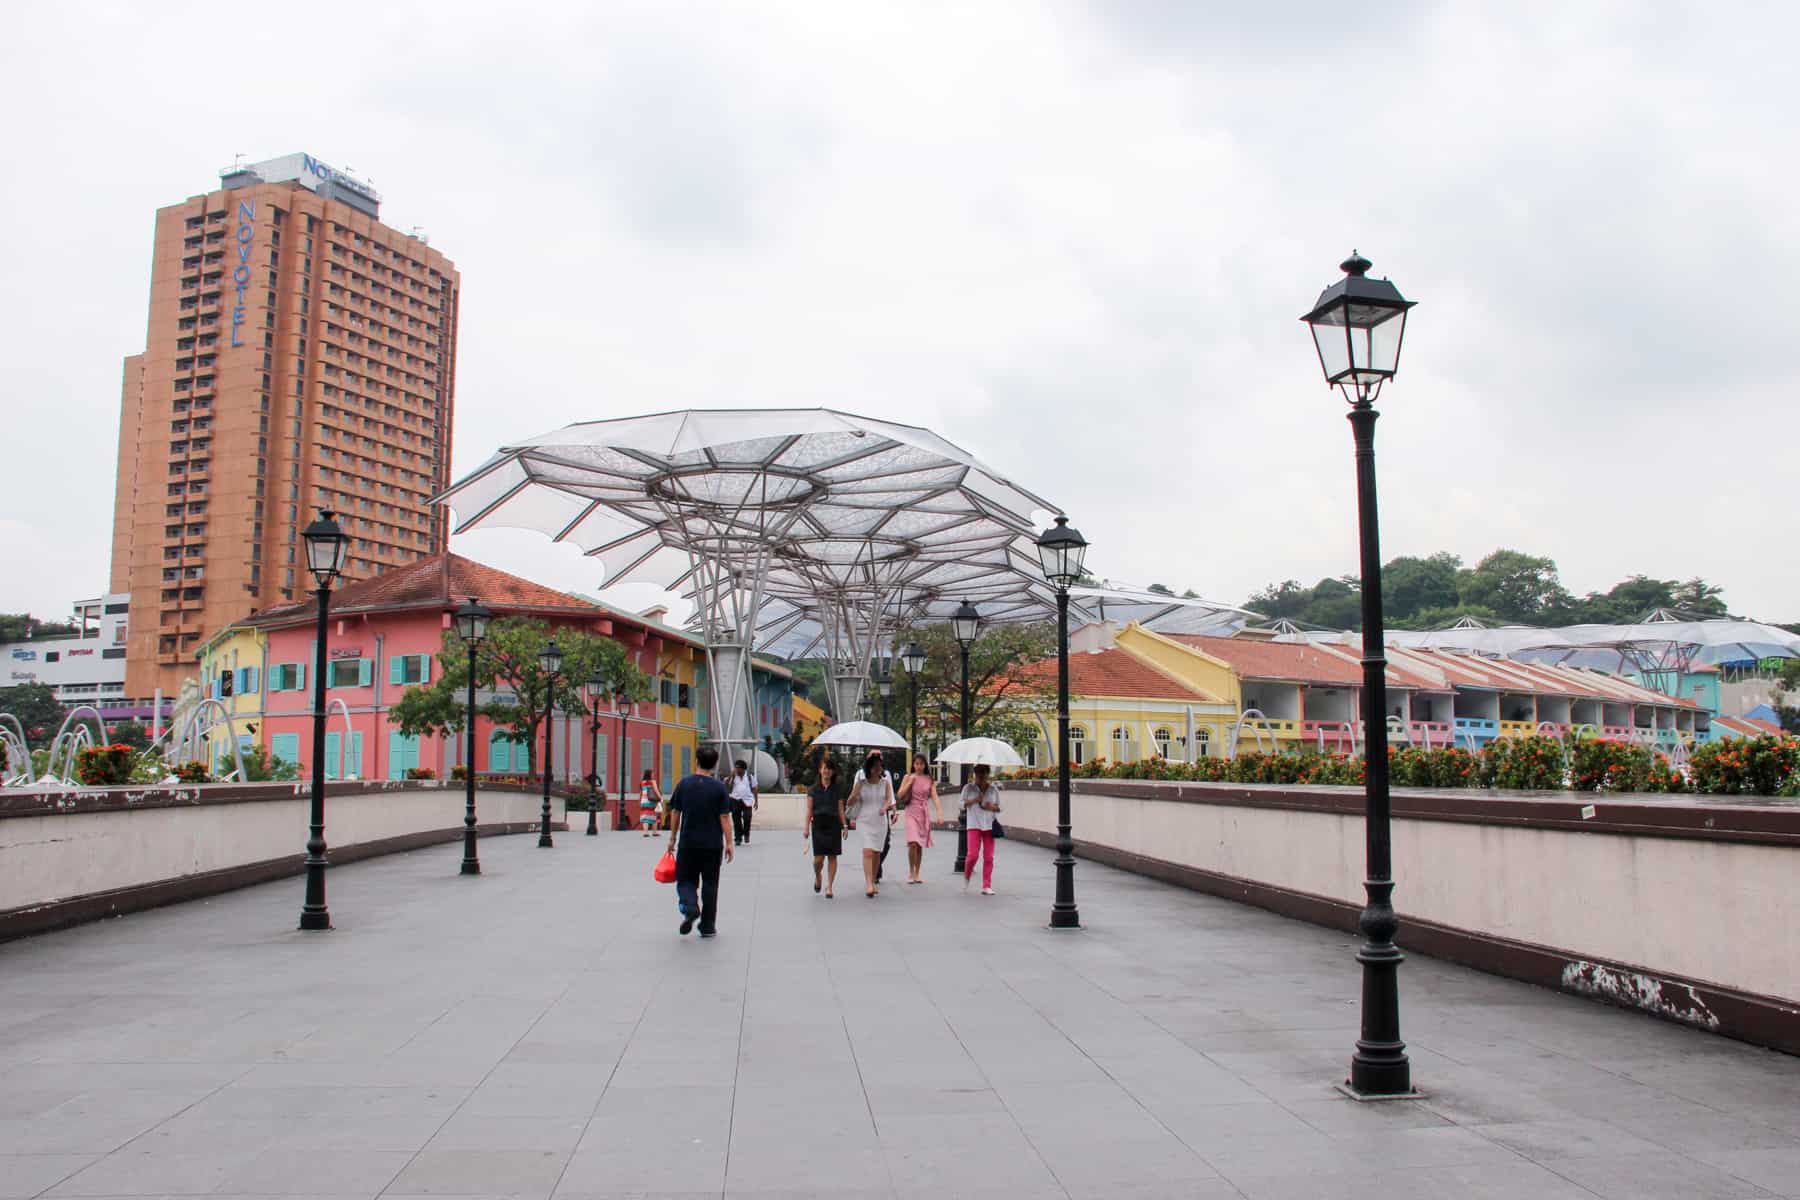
665 868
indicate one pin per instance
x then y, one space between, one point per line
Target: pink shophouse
386 633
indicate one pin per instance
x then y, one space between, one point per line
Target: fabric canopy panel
645 495
769 518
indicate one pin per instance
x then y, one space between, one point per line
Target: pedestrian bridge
542 1030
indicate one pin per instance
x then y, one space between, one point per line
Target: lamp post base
310 919
1064 920
470 867
1350 1090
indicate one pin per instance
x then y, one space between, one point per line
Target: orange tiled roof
1114 673
1255 658
438 582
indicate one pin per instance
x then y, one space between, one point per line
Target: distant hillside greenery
1505 588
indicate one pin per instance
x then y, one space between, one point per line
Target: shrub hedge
1764 766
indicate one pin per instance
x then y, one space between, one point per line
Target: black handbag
999 829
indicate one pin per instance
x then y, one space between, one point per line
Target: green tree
1409 585
994 682
1161 589
22 627
1519 587
508 662
36 707
130 733
1285 599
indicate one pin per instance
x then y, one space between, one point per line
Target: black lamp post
471 625
965 626
622 701
913 659
327 549
884 686
865 708
596 688
1357 326
1061 550
550 663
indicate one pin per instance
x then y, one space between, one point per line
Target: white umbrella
860 733
971 752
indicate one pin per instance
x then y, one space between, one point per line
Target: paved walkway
542 1030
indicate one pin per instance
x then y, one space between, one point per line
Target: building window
1077 745
409 668
287 677
347 673
1163 738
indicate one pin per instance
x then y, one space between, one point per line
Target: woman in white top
981 800
870 813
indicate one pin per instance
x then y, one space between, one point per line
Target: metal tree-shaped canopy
791 510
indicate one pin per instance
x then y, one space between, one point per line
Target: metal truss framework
779 524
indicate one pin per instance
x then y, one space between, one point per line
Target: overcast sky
1073 238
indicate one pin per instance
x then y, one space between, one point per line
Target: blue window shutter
396 668
286 747
299 677
396 755
356 754
333 740
365 672
255 679
424 668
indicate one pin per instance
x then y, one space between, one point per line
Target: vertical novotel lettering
240 278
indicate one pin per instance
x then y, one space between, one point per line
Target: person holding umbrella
981 800
874 809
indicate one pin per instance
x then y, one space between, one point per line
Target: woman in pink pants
981 800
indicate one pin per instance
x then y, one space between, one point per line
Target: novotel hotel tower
300 355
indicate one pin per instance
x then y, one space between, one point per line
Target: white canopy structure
1657 650
768 519
1161 612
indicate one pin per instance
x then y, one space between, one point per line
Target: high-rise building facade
300 355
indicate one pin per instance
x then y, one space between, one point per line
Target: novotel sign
309 173
240 275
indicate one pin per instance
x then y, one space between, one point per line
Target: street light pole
471 624
596 686
327 549
965 626
913 659
622 701
1061 551
1358 325
550 663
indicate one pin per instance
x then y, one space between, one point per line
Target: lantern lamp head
1357 325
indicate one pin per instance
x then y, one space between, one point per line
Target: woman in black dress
825 824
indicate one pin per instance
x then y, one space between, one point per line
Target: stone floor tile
1655 1177
24 1175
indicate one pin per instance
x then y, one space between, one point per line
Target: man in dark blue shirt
700 836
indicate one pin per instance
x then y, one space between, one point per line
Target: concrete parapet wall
73 856
1685 907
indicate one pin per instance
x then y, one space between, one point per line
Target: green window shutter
333 742
396 755
365 671
396 668
286 747
424 668
356 754
299 677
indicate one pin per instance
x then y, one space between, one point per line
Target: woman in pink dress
916 790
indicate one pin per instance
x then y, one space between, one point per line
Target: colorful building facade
386 634
1201 695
